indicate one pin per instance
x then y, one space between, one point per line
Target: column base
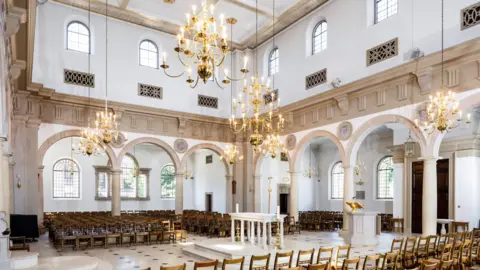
343 233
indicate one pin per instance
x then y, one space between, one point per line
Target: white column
5 190
179 193
248 223
242 231
348 193
264 234
252 232
259 234
429 200
281 232
257 207
270 233
233 231
398 183
293 198
229 208
116 208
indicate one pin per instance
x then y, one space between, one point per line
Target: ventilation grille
471 16
151 91
382 52
272 96
209 102
317 78
79 78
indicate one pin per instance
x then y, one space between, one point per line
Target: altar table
264 220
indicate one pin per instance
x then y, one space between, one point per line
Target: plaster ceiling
169 17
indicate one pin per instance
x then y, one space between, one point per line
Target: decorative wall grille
268 98
79 78
151 91
471 16
317 78
207 101
382 52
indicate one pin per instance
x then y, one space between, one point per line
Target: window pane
78 37
385 9
66 179
142 186
337 181
320 37
168 182
385 179
148 54
128 179
102 185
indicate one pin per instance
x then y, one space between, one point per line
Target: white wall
467 188
278 170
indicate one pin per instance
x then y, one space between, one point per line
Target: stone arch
303 143
208 146
155 141
66 134
258 162
362 132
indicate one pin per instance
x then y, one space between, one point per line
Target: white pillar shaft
398 189
229 206
257 207
179 193
232 233
348 193
429 197
40 194
293 199
264 234
5 190
116 208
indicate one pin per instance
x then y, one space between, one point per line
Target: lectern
361 228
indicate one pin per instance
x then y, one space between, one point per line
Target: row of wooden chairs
321 220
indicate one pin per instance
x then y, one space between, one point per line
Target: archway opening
273 184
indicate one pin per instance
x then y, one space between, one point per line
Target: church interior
241 134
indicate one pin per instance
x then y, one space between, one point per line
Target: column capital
33 123
429 158
229 177
116 171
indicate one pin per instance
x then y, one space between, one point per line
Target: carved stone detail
329 114
362 102
382 52
342 103
470 16
291 142
402 92
180 145
453 76
425 81
381 97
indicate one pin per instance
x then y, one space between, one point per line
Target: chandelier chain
442 40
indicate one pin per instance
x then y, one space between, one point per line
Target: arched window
78 37
148 54
385 9
128 178
385 178
273 62
337 181
319 41
168 182
66 179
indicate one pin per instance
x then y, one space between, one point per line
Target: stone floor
142 256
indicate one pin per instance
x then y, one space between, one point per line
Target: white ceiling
242 10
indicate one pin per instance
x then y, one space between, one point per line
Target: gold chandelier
310 171
273 145
231 154
202 44
105 121
249 104
442 110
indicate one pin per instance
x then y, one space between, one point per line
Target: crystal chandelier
231 154
249 104
105 121
409 146
272 145
89 143
310 171
203 47
442 110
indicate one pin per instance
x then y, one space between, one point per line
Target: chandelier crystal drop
231 154
203 46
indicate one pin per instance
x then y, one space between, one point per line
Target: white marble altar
361 228
264 220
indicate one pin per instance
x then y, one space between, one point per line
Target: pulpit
361 228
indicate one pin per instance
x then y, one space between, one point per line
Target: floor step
23 259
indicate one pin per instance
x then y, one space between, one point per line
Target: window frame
140 53
161 182
277 60
377 197
331 197
89 37
375 10
319 24
107 170
78 180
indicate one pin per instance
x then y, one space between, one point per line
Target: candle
164 57
245 59
236 207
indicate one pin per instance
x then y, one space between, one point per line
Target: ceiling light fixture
231 154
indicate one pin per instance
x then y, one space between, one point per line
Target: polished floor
154 256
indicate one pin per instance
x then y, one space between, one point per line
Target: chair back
410 245
305 257
446 265
259 262
432 244
446 253
397 245
233 262
283 260
390 261
175 267
371 262
351 263
325 256
318 266
457 251
428 265
198 265
343 252
422 246
442 240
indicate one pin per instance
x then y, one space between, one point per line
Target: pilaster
179 193
116 202
293 198
229 194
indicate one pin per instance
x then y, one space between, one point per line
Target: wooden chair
318 266
409 259
84 241
19 243
325 256
128 234
259 262
343 253
460 224
466 259
397 245
283 260
233 262
294 226
446 265
156 232
371 262
168 233
305 257
428 265
213 264
432 246
176 267
421 252
390 261
442 240
348 263
457 251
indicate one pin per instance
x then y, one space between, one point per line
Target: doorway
417 193
283 204
208 202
